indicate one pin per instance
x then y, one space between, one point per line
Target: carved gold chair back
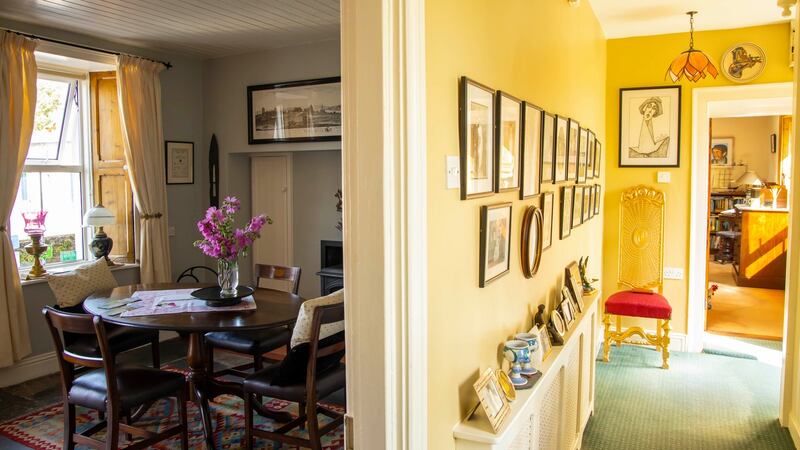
641 243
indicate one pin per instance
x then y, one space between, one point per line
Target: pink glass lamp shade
34 222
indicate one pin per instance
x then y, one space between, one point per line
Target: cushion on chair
294 367
261 383
302 328
251 342
136 386
639 304
71 288
120 339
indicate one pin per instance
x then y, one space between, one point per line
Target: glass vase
228 276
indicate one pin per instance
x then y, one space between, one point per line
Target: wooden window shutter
112 186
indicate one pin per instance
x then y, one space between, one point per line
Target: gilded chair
641 268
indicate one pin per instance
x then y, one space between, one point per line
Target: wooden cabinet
760 253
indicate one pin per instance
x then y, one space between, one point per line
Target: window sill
68 268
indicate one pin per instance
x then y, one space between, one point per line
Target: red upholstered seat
639 304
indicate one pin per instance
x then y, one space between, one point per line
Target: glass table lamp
101 245
34 227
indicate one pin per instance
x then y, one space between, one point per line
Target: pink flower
220 239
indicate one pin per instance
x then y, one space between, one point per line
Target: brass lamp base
35 249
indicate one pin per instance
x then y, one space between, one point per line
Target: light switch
453 172
664 177
673 273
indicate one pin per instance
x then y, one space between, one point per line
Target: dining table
273 309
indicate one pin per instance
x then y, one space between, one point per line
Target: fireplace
331 273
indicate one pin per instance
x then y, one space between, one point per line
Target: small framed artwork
583 155
179 162
590 146
531 169
566 309
573 140
295 111
561 147
507 142
596 202
577 206
494 402
591 200
743 62
546 346
597 149
547 220
650 127
587 203
495 246
558 323
566 211
572 277
548 141
722 151
476 138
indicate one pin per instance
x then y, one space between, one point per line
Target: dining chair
324 374
254 342
193 273
114 391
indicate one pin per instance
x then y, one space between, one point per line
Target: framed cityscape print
507 142
548 137
577 206
596 201
649 127
547 219
295 111
587 201
590 146
495 245
560 143
583 154
179 162
597 148
476 138
573 138
566 211
531 170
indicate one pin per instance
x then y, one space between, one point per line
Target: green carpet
703 402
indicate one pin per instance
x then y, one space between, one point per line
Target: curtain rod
85 47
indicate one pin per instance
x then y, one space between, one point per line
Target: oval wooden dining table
273 309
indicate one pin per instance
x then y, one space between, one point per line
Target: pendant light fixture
692 63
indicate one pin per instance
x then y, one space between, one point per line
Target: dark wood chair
111 390
193 272
308 392
254 342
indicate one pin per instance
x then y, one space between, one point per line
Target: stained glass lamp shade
693 63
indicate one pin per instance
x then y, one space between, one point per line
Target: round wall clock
531 241
743 62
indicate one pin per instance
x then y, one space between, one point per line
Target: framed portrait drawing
562 130
547 219
566 212
531 169
590 146
295 111
597 148
548 141
573 139
649 127
577 206
596 202
179 160
495 242
587 202
583 155
476 138
722 151
494 402
508 142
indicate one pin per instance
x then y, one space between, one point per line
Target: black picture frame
560 149
547 206
176 155
587 203
333 114
565 221
591 200
583 155
573 141
577 207
548 148
598 147
597 197
516 146
590 148
485 276
533 152
475 189
676 119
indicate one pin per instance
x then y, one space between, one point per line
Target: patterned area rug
44 429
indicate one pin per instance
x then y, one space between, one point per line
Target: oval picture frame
506 385
558 322
743 62
531 241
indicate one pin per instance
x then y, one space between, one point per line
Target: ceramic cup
533 345
516 352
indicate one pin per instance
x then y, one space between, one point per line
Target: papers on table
172 301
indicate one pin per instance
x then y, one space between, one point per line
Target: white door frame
385 222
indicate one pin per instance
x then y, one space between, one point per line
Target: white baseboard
677 341
44 364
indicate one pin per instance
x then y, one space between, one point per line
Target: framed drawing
649 127
577 206
507 142
573 138
531 169
295 111
590 188
722 151
560 143
587 202
590 147
476 138
583 155
548 137
495 242
597 148
596 202
494 402
531 241
179 160
547 220
566 211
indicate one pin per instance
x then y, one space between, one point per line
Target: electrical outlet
664 177
673 273
453 172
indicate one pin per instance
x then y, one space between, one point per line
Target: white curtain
139 92
17 108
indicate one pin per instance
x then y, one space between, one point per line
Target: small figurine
538 319
587 285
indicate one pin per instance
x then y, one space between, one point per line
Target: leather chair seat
328 382
120 339
639 304
136 386
250 341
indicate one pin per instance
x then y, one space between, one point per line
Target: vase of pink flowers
227 244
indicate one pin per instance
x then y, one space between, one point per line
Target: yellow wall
542 51
643 61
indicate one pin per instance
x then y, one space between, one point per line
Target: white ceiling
625 18
201 28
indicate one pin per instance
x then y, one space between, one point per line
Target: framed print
548 137
531 170
590 147
179 160
494 402
577 207
722 151
574 286
590 188
546 346
531 241
587 201
650 127
566 211
547 220
573 138
507 142
560 143
476 138
295 111
597 148
495 242
583 155
596 202
566 309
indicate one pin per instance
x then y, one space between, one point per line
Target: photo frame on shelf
548 141
565 218
508 142
573 283
476 111
577 207
649 126
573 140
531 170
546 345
566 309
531 241
596 202
583 155
495 236
179 161
494 402
559 326
547 219
561 148
590 146
587 200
